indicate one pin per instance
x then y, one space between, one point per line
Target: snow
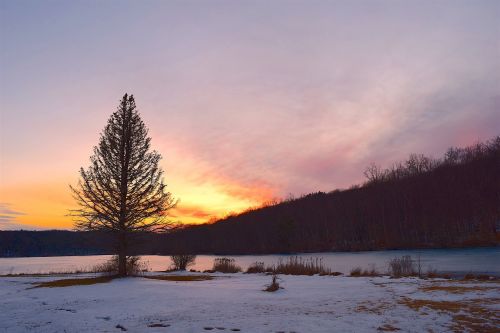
229 303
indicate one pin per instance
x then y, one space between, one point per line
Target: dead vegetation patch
373 307
480 277
468 316
300 266
458 289
48 274
180 278
73 282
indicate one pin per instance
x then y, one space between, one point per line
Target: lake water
454 261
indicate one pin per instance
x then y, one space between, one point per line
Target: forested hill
422 202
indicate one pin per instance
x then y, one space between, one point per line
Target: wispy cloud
8 218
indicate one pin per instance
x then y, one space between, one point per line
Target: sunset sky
246 100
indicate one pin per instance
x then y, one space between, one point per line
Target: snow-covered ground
236 302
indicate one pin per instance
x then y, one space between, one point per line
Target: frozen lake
455 261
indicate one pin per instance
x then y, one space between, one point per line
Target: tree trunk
124 160
122 255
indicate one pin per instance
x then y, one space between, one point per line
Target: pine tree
122 190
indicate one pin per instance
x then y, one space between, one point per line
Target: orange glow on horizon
46 205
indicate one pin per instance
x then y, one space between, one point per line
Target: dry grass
458 289
301 266
180 278
404 266
73 282
480 277
256 267
371 272
274 286
356 272
225 265
373 307
433 274
471 316
51 273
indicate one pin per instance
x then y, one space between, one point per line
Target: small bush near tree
135 266
226 265
182 261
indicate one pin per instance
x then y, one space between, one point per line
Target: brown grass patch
180 278
471 316
480 277
445 306
373 307
73 282
458 289
49 273
300 266
358 272
226 265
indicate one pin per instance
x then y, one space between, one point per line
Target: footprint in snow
121 327
67 310
159 325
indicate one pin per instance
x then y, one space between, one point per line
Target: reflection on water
478 260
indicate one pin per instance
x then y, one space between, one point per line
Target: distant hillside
419 203
422 202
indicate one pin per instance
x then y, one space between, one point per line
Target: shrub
299 266
356 271
372 271
256 267
432 274
403 266
134 266
226 265
274 286
182 261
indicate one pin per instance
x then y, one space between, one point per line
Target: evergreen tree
122 190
